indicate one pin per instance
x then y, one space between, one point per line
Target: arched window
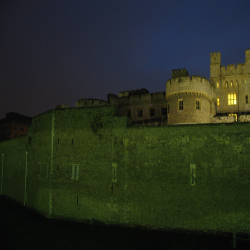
236 83
218 85
226 84
231 83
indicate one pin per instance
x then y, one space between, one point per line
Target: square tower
247 62
215 64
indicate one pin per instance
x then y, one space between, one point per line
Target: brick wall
181 176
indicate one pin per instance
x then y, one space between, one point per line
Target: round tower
190 100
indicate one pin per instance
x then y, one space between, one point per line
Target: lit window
236 83
231 84
218 101
231 99
181 105
218 85
245 81
246 99
233 115
226 84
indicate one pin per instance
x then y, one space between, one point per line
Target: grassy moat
23 229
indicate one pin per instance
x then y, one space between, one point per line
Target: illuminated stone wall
192 177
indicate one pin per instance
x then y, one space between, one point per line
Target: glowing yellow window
231 99
233 115
217 85
218 101
231 84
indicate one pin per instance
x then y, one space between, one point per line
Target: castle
126 162
189 100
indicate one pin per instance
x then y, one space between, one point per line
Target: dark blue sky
56 52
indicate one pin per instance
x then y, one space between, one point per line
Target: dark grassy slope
23 229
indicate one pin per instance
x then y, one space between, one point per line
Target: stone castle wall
162 177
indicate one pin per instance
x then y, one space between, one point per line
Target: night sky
57 52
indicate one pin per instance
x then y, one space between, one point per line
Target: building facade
14 125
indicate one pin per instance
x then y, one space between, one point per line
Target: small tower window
236 83
226 84
246 99
197 104
231 83
180 104
218 102
218 85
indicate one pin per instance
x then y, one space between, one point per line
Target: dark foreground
22 229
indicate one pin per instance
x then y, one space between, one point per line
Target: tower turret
215 64
247 63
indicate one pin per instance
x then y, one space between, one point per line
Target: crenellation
133 92
215 58
179 73
91 102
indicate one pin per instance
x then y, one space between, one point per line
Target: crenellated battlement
133 92
230 69
189 79
179 73
149 97
215 58
91 102
187 83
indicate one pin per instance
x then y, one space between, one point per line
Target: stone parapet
187 84
91 102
